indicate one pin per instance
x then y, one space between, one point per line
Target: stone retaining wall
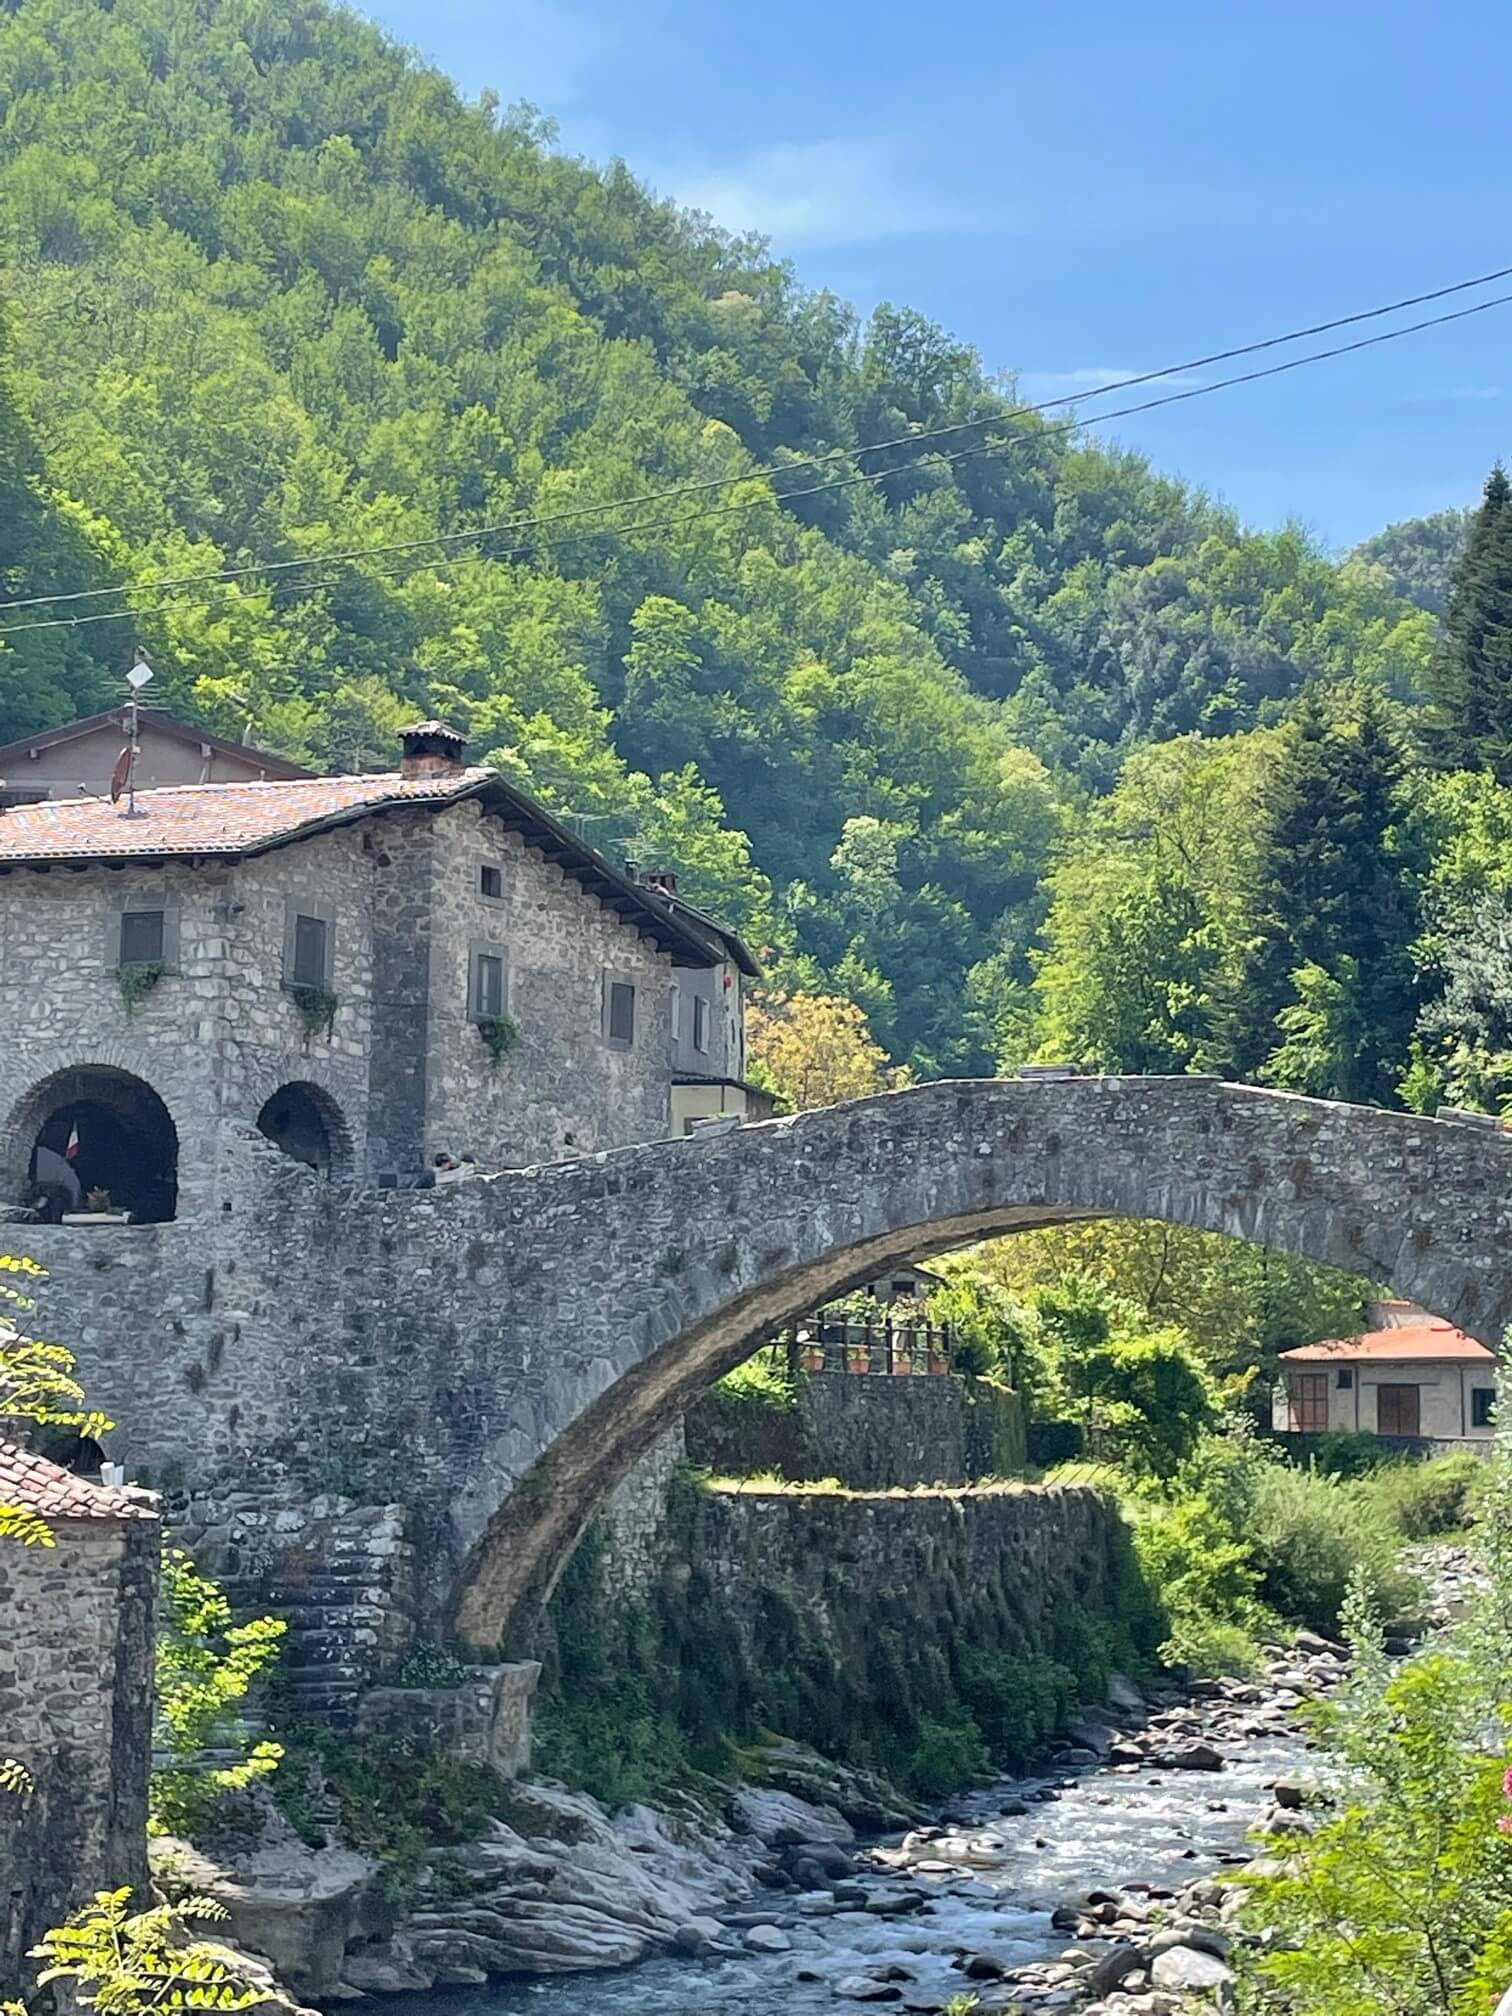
872 1433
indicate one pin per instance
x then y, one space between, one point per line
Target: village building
382 974
79 759
1410 1378
75 1694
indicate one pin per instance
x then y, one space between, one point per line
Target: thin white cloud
1032 386
1457 395
846 190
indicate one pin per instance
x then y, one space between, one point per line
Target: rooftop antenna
123 777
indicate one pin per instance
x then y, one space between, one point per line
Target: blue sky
1088 191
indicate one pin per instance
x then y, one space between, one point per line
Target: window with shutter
700 1023
1482 1406
488 986
491 882
143 939
308 966
621 1016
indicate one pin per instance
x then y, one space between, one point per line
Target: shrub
1052 1442
764 1380
946 1755
1310 1535
1340 1453
1419 1500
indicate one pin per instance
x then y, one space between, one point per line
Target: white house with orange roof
1411 1377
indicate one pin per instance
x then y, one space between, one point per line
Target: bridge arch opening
93 1137
714 1245
305 1123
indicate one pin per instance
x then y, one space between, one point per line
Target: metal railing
882 1346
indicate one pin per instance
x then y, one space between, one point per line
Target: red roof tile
43 1487
233 820
1401 1341
211 818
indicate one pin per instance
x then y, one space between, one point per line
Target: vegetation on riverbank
1398 1902
1245 1545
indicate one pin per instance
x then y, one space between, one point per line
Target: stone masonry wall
75 1708
562 1091
873 1433
402 1064
494 1355
854 1566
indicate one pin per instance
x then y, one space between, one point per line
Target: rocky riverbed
1091 1889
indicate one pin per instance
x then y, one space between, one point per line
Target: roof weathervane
123 777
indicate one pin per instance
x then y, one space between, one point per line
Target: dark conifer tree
1470 724
1331 888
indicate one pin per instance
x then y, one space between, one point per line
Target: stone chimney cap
440 731
430 749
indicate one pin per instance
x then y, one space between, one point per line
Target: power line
756 474
843 483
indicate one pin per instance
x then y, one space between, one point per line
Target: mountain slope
277 292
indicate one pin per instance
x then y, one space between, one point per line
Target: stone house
375 971
708 1026
75 1697
1410 1377
77 760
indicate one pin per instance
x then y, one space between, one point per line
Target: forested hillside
273 292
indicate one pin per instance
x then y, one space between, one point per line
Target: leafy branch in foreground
206 1666
37 1381
124 1963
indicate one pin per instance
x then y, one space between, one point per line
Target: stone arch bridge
494 1355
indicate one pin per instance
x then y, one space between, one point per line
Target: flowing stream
991 1880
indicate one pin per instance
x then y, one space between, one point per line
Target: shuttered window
487 986
1308 1396
143 937
619 1013
308 966
700 1023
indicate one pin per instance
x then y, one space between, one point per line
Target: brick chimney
431 749
664 879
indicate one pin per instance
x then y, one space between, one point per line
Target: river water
1108 1826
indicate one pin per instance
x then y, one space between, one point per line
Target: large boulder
293 1905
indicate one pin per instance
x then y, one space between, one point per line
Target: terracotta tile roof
43 1487
210 818
234 820
1400 1341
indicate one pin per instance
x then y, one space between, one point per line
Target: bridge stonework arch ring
94 1130
710 1245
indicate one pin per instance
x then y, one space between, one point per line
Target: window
491 882
1482 1401
700 1023
1346 1380
143 938
619 1013
488 988
1307 1395
310 951
676 1012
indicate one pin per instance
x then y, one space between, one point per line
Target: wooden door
1398 1410
1308 1393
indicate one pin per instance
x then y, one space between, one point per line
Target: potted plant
97 1211
857 1349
